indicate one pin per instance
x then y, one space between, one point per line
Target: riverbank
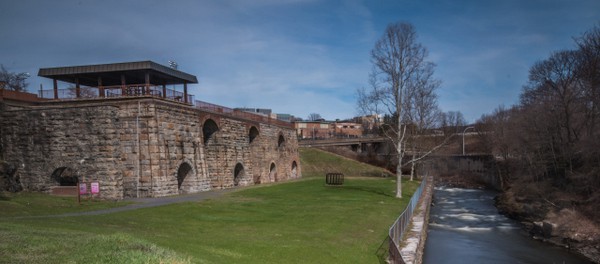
560 224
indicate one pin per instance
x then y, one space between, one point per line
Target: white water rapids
465 227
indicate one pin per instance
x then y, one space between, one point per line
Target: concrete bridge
356 144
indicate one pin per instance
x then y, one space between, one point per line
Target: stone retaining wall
143 147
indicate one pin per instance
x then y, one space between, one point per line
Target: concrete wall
482 168
143 147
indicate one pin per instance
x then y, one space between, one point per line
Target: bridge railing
398 229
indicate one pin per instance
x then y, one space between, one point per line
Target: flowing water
465 227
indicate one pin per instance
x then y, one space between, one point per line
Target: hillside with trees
548 146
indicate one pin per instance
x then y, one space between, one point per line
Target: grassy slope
295 222
315 163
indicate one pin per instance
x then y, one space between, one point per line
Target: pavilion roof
134 73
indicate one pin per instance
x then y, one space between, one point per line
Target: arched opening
294 172
273 172
183 172
65 176
252 134
208 130
280 141
238 173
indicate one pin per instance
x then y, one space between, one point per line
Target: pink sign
82 188
95 188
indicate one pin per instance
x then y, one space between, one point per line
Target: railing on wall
136 90
130 90
240 114
399 227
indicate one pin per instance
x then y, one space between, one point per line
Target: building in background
313 129
347 129
322 129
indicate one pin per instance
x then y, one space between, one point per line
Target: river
465 227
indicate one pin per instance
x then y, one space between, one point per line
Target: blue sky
297 56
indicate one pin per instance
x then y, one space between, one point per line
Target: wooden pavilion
141 78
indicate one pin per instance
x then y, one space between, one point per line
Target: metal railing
130 90
136 90
399 227
208 107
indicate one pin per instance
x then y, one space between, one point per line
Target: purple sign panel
82 188
95 188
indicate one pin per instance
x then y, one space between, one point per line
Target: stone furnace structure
123 126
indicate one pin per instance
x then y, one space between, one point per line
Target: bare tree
452 121
314 117
424 114
400 75
12 80
84 92
550 139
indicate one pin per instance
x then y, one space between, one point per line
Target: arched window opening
280 141
273 172
184 170
252 134
208 130
294 171
65 176
238 173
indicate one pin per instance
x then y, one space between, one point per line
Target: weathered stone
156 152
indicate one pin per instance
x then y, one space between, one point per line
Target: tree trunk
399 171
412 168
399 180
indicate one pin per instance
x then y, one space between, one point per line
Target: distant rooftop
112 73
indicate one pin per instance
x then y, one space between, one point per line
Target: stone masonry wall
143 147
40 141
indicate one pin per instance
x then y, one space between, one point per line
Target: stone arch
273 172
294 170
209 128
185 174
238 174
65 176
252 134
280 140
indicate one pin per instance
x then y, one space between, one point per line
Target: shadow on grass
4 196
383 251
369 189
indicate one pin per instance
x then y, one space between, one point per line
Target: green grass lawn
295 222
315 163
36 204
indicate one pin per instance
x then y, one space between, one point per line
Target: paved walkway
139 203
414 243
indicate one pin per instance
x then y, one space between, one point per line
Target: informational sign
95 188
82 188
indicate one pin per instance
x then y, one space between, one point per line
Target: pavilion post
147 83
77 88
123 85
55 82
185 94
100 87
164 93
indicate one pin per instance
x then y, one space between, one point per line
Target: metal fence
130 90
240 114
399 227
